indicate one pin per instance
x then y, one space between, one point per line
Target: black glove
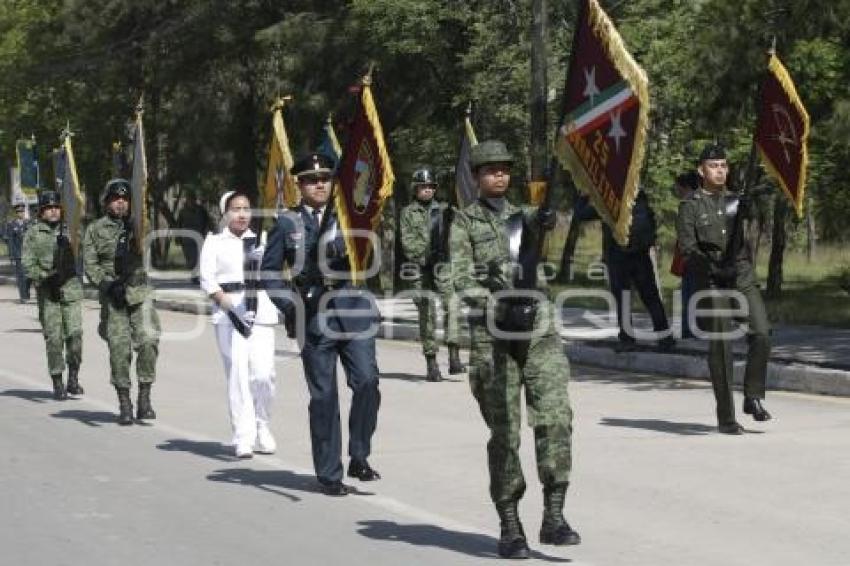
52 285
724 276
546 218
115 291
62 241
495 280
289 322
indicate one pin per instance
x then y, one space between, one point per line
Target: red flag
365 182
782 132
606 115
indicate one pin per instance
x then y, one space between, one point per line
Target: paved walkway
804 358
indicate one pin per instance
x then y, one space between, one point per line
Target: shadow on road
636 382
34 395
685 429
472 544
279 482
402 376
91 418
214 450
24 330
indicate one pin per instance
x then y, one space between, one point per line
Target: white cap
222 204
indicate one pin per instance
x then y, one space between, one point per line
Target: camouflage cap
490 151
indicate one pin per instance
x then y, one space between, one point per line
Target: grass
815 292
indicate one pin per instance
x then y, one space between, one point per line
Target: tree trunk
811 234
777 249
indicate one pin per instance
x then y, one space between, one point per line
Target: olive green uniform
49 263
124 327
429 274
704 228
501 369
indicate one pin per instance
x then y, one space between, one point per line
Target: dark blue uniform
293 242
14 235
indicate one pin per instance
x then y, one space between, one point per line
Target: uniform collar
246 234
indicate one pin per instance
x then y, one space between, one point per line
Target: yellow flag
279 189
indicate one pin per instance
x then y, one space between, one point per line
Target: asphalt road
653 483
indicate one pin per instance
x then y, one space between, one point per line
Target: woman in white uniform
244 319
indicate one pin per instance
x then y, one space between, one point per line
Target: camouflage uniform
431 274
135 325
704 228
501 369
59 294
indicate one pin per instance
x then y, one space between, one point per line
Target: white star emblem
616 130
590 89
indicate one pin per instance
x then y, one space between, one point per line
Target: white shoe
265 440
244 452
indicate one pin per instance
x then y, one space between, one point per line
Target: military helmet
490 151
116 188
48 198
423 176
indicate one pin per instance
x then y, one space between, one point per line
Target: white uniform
248 362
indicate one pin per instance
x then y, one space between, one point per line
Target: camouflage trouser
136 327
427 307
62 325
499 372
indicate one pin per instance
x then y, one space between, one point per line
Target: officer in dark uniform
631 265
308 241
13 233
711 240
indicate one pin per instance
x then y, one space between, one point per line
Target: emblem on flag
782 132
365 181
606 116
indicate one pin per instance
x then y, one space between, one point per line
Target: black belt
232 287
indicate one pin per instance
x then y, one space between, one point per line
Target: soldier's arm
274 258
463 269
92 267
412 243
687 234
29 258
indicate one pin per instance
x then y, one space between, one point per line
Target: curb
791 376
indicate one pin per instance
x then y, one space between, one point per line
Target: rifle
64 266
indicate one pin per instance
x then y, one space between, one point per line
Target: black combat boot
145 411
59 392
125 406
512 542
555 529
455 365
433 371
74 387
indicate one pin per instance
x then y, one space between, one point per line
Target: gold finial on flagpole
140 105
280 101
367 79
771 51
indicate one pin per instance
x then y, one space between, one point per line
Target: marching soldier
128 318
13 233
504 360
49 262
424 229
706 226
330 333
